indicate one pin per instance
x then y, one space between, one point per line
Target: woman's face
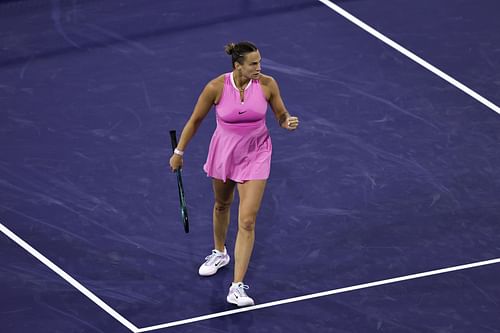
251 65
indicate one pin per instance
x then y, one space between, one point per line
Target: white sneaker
238 296
213 262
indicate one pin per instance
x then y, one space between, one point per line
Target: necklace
236 80
241 89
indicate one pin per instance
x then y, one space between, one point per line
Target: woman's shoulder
215 87
266 80
217 82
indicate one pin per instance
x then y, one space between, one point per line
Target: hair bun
229 48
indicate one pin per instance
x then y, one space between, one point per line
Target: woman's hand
291 123
175 162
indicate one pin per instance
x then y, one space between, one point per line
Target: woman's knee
222 206
247 223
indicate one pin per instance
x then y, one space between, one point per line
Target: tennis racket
180 187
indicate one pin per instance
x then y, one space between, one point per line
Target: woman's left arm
284 119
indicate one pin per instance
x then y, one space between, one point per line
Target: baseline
320 294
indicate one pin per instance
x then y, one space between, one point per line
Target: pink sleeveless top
240 148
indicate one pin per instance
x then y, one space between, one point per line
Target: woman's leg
250 193
224 195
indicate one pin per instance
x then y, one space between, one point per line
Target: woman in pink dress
239 155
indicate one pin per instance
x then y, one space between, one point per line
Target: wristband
178 152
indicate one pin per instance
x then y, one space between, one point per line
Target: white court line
321 294
411 55
134 329
68 278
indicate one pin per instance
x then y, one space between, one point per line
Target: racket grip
173 139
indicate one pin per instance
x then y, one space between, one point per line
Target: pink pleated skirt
239 151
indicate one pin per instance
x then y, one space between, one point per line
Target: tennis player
239 155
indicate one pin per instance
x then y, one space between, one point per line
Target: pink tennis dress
241 147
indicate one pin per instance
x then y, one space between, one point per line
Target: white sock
221 252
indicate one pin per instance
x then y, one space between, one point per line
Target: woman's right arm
201 109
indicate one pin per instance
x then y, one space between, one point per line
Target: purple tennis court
393 171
